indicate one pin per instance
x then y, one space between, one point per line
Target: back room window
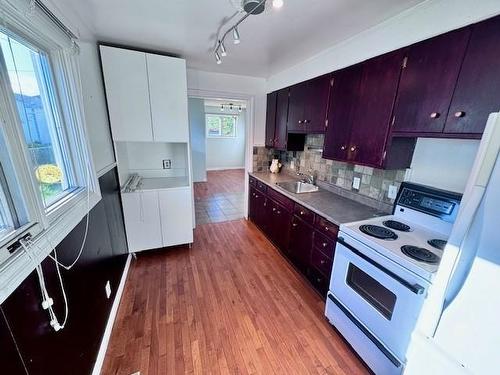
221 126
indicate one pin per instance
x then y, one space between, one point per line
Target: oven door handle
415 288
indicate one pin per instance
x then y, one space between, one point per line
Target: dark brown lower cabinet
301 241
305 238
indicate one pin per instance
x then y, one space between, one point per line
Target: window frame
47 227
236 119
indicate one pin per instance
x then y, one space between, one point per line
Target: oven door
379 293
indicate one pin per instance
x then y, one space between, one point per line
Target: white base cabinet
142 220
158 218
176 215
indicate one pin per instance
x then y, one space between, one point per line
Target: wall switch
393 192
108 289
356 182
167 163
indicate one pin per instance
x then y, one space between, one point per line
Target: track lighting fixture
217 58
223 51
222 107
236 36
239 108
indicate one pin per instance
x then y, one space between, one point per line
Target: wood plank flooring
229 305
226 181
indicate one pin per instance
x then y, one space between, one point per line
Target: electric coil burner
438 244
397 225
378 232
420 254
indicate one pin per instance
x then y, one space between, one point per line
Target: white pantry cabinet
142 220
146 94
176 214
168 96
127 93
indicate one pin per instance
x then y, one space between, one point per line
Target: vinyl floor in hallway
229 305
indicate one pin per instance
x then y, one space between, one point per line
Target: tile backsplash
334 175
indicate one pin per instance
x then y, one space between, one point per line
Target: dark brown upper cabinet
308 105
428 79
282 140
343 100
374 107
271 118
478 87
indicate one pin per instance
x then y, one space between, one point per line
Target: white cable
65 298
67 268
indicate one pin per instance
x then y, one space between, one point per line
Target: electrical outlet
393 192
167 163
107 288
356 182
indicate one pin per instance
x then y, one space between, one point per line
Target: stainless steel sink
298 187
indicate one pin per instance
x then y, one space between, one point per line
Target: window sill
14 271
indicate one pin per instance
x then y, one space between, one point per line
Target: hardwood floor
229 305
218 182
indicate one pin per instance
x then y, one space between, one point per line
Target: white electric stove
382 270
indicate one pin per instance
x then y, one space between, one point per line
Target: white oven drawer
382 295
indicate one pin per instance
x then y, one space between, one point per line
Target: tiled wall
335 174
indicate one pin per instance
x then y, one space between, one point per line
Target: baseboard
111 320
224 168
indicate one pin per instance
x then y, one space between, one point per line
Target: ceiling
270 42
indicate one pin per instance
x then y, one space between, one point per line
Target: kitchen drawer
261 186
280 198
324 244
327 228
304 213
321 262
252 181
318 280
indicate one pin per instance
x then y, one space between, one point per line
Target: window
221 126
36 102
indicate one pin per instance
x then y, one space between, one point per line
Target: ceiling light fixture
236 36
248 8
223 51
217 58
277 4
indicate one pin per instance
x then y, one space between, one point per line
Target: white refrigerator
458 331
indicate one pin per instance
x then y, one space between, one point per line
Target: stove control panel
436 202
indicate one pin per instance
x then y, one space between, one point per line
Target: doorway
218 152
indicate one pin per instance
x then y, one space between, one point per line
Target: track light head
236 36
217 58
223 51
277 3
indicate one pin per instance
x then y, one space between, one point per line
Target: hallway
221 198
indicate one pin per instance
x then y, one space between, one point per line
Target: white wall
238 87
443 163
196 109
95 107
423 21
227 153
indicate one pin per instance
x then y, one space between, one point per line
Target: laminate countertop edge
333 207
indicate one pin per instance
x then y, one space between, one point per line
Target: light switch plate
393 192
108 289
356 182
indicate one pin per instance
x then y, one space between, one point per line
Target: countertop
336 208
162 183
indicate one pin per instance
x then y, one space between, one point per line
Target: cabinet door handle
319 279
300 121
459 114
322 261
274 209
435 115
324 244
353 148
294 225
278 212
256 196
327 229
343 147
302 212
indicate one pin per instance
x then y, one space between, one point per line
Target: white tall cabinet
147 104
